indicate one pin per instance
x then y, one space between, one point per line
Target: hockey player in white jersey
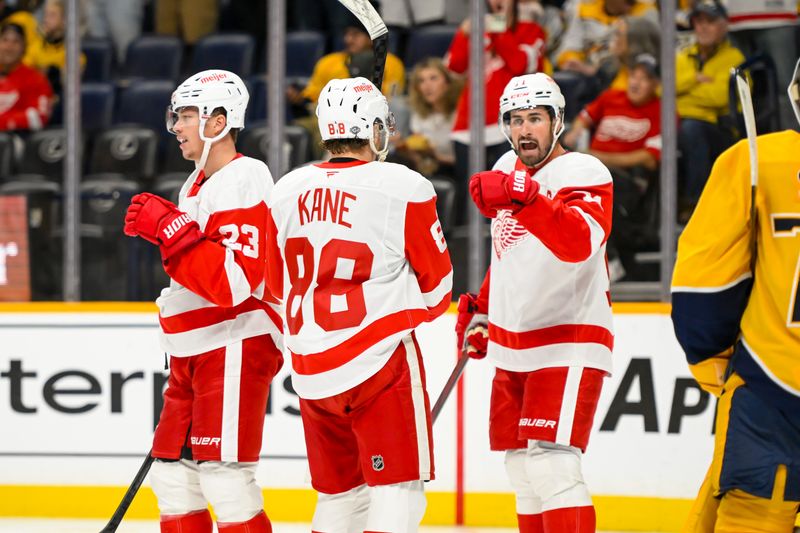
356 254
548 329
223 339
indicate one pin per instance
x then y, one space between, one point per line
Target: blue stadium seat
155 57
303 50
254 142
227 51
257 107
99 59
44 154
128 150
97 106
428 41
144 103
573 87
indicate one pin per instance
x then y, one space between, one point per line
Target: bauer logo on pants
377 463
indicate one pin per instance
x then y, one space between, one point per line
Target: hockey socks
569 520
258 524
194 522
530 523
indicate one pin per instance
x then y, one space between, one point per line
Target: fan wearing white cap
544 318
223 339
362 262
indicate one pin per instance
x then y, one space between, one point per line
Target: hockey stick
130 494
365 12
455 375
743 88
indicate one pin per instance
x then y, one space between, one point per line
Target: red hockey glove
160 222
472 323
494 190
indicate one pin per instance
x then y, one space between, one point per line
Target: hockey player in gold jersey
739 326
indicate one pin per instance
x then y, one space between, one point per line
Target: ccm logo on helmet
537 423
364 87
213 77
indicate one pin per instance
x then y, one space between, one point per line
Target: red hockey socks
530 523
194 522
569 520
258 524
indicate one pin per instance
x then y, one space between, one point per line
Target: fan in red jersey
356 253
222 335
546 313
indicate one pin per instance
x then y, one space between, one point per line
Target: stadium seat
445 199
227 51
97 106
127 149
572 86
764 78
303 50
172 159
155 57
99 59
6 156
105 253
144 103
168 185
44 154
428 41
254 142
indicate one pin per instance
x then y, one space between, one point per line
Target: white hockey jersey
549 302
357 257
215 294
759 14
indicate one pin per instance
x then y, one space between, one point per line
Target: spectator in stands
117 20
515 45
50 56
702 72
23 17
25 95
590 24
626 126
433 94
632 36
355 60
190 20
768 26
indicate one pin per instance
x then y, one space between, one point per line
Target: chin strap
556 134
208 141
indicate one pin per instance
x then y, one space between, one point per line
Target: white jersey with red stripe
549 302
357 256
216 292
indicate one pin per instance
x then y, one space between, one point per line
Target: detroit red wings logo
506 232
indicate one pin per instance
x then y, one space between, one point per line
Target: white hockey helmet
207 91
353 108
529 91
794 91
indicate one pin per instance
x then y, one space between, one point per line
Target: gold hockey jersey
717 302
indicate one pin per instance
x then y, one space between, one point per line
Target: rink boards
80 388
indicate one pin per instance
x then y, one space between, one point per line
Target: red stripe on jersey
426 249
441 307
201 179
762 16
564 230
201 269
345 352
208 316
562 334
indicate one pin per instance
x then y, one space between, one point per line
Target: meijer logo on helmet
364 87
213 77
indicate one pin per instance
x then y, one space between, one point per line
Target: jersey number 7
338 296
789 226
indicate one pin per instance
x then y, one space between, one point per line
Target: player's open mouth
527 146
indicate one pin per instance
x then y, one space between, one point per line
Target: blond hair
450 97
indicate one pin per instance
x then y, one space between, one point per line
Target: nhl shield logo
377 463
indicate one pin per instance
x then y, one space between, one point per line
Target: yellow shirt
334 66
712 273
48 55
707 100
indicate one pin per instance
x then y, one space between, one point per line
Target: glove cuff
181 240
